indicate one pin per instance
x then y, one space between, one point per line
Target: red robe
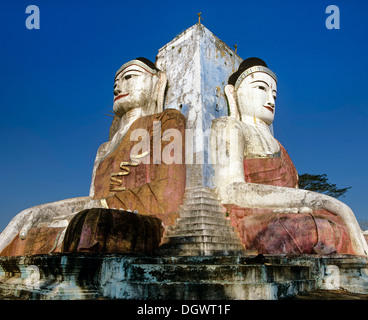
285 233
151 189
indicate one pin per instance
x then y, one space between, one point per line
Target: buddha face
256 97
134 87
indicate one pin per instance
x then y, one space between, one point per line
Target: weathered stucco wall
198 66
71 277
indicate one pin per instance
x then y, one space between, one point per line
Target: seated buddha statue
128 175
118 181
258 183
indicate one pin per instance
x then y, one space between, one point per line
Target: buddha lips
269 108
121 96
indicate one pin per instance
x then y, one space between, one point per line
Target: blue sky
56 84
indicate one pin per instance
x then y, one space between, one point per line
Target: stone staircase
205 278
202 228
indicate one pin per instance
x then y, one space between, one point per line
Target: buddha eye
127 77
262 88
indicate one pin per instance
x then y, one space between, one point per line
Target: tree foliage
319 183
363 224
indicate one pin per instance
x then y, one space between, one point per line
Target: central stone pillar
198 66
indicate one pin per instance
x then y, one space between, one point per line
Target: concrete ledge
76 277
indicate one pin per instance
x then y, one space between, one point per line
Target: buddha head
139 86
251 92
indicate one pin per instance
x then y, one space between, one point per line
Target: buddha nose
117 91
271 100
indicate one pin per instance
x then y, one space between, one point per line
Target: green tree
363 224
319 183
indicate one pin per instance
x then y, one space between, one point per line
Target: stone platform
88 277
201 258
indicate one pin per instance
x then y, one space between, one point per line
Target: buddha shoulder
227 123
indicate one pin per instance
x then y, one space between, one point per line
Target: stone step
199 232
71 294
257 273
201 192
212 291
201 206
56 290
201 249
197 273
185 260
193 230
187 213
201 229
204 220
281 272
204 200
201 239
193 190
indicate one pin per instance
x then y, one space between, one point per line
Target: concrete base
79 277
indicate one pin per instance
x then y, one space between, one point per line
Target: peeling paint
205 63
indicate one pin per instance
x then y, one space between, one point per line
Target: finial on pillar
199 17
236 47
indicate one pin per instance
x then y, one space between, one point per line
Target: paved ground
331 295
315 295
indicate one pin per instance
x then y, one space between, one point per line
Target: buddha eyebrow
122 73
132 70
261 81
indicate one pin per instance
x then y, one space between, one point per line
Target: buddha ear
162 82
233 106
114 126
